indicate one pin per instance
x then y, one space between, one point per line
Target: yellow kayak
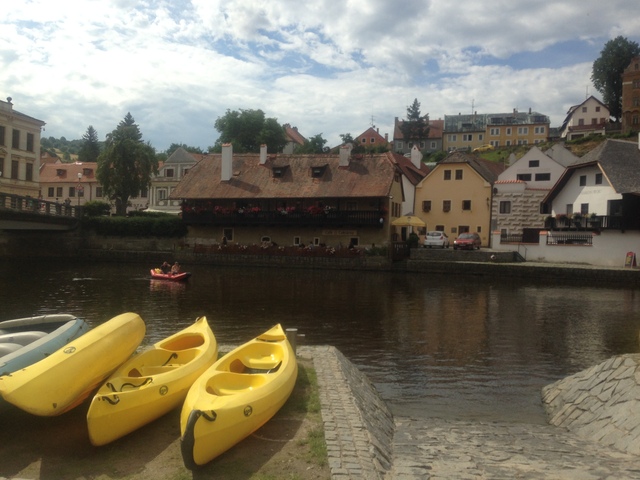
68 376
236 396
151 383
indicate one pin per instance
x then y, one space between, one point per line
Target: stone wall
600 403
358 426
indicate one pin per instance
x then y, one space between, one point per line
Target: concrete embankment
364 440
601 403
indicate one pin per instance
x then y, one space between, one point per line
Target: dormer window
60 172
317 172
87 172
278 172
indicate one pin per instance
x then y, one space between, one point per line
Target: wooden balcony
331 219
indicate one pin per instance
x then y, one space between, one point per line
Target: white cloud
327 67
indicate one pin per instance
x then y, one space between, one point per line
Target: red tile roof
370 175
67 172
293 135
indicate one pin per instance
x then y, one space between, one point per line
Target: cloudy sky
328 67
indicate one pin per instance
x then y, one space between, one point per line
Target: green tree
314 144
126 164
416 126
246 130
90 149
607 72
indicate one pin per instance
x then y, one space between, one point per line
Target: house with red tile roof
294 139
74 181
429 145
323 199
371 139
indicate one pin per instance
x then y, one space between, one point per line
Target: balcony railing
331 219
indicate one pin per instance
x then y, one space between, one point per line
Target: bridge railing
39 206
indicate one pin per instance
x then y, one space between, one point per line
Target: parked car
483 148
436 239
468 241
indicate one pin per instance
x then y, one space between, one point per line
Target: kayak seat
230 383
7 348
23 338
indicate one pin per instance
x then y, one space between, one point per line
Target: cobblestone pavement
435 448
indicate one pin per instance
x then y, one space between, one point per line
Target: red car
470 241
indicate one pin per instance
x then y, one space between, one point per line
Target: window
584 208
534 163
583 180
58 191
439 228
80 191
426 205
317 172
278 172
466 204
543 177
523 130
584 109
168 173
505 206
72 192
50 192
598 179
228 234
597 109
15 141
467 137
447 174
525 177
458 174
398 146
509 131
569 209
162 194
14 169
373 140
538 130
446 205
353 241
494 132
29 176
480 137
98 192
29 142
581 121
2 133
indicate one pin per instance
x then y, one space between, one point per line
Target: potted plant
550 221
577 219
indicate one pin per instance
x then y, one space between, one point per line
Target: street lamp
79 187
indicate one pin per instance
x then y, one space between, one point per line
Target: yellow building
466 132
455 197
19 151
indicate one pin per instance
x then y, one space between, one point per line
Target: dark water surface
433 345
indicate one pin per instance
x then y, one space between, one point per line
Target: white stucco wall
545 165
596 196
609 249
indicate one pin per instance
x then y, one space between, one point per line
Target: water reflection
433 345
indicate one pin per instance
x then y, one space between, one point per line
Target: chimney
386 137
345 153
263 154
226 167
416 156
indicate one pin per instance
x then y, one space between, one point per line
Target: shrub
96 208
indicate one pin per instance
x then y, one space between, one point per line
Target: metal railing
36 206
570 238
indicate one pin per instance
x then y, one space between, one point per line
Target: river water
433 345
